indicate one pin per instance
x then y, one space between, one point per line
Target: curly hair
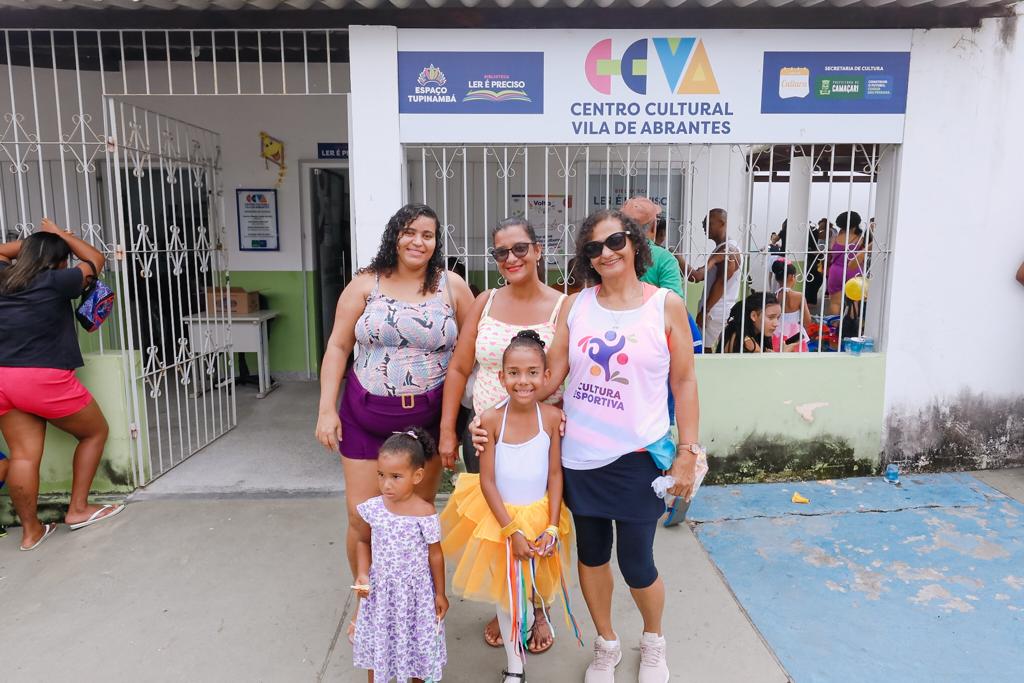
386 260
415 442
642 258
526 339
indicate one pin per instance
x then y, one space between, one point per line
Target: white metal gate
166 204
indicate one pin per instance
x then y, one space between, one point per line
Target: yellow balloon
856 288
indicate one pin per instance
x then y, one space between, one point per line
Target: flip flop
676 512
98 516
48 530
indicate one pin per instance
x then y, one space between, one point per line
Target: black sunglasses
520 249
615 241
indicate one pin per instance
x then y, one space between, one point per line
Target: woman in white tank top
621 344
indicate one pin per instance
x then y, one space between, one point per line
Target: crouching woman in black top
39 353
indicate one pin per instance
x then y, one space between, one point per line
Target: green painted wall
104 376
283 290
755 410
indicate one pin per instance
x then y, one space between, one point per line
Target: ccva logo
684 62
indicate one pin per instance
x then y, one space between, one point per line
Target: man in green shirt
664 270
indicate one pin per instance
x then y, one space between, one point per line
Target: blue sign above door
471 82
332 150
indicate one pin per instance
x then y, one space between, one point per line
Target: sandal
529 639
505 675
498 641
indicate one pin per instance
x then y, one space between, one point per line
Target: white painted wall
300 121
375 155
956 313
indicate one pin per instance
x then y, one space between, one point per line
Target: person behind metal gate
404 310
752 324
39 354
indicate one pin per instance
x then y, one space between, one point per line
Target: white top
616 399
791 323
718 315
521 469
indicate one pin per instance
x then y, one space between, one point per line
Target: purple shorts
368 420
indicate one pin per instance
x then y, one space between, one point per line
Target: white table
248 334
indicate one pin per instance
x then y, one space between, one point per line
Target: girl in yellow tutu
506 530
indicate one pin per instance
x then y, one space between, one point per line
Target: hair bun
532 335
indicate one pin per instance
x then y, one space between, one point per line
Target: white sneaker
607 655
653 666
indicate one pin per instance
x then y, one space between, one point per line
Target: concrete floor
1009 482
255 590
271 451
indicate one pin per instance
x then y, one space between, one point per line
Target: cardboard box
237 300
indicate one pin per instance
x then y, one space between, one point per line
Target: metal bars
189 62
473 187
145 190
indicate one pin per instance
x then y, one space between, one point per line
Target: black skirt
620 490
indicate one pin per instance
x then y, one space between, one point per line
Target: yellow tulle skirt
472 542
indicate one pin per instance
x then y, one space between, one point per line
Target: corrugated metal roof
453 4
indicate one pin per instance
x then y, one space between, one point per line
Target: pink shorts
51 394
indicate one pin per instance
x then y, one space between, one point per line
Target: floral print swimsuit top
404 348
492 338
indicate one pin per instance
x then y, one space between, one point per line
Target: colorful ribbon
515 582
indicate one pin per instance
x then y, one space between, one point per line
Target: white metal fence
556 186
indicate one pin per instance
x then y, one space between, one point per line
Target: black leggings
634 547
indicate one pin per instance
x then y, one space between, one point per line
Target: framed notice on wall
257 220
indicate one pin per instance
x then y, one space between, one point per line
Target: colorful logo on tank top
606 352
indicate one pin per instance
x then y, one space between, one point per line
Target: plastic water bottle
892 473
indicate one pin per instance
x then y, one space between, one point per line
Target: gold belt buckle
408 401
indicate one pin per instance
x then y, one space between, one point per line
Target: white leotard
521 469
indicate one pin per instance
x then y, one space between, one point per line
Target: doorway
330 218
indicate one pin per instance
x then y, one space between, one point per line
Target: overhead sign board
682 86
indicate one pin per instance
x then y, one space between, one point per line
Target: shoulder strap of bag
90 281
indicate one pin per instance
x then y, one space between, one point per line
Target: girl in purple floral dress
399 630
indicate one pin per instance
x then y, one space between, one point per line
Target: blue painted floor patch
871 582
841 495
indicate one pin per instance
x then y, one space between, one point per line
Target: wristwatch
694 448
